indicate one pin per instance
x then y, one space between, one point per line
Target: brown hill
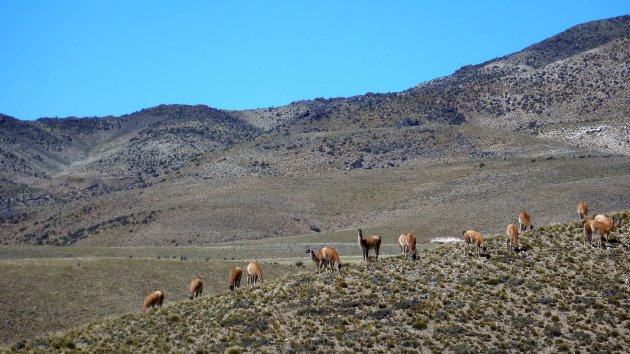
267 172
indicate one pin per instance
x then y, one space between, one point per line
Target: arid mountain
571 88
565 97
113 153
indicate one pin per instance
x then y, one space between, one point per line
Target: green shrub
553 331
420 324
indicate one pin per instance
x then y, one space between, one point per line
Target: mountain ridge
572 101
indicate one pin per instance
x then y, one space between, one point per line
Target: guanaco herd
327 257
254 275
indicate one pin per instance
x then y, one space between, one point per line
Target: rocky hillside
171 136
564 97
554 295
49 158
573 80
563 88
578 76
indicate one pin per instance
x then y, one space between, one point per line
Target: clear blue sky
102 57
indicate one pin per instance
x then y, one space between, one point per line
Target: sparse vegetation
548 121
401 305
522 108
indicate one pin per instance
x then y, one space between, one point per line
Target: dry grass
557 295
41 279
50 294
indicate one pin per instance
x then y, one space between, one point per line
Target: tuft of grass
420 324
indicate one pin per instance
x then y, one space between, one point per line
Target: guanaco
475 237
523 221
512 237
368 243
582 209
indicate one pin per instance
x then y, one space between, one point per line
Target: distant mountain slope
575 40
589 86
579 76
565 97
169 137
587 64
139 147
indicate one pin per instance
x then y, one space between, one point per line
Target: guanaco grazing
235 278
407 244
523 221
155 298
195 288
474 237
411 246
512 238
330 257
602 225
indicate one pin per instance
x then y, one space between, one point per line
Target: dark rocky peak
180 111
174 114
575 40
566 44
74 125
4 119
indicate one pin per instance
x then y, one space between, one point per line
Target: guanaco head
531 226
483 246
414 255
315 255
360 233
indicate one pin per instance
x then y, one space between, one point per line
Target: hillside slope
433 200
113 153
555 295
580 76
563 98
